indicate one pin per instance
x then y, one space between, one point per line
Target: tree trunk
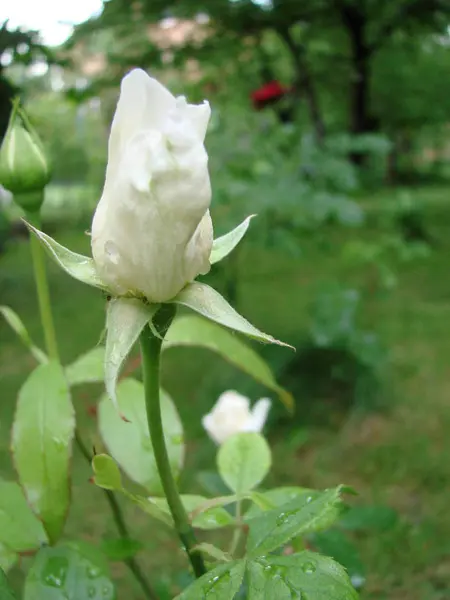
304 82
361 119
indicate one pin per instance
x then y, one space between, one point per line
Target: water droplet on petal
112 252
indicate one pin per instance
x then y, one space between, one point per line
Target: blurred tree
332 46
369 26
16 46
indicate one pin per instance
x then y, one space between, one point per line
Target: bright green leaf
68 572
212 551
222 583
107 476
194 331
272 498
306 575
16 324
106 473
210 304
129 442
8 558
87 368
223 245
305 514
5 591
243 461
20 530
76 265
213 517
42 433
125 319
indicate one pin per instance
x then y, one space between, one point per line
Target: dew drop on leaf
55 571
308 568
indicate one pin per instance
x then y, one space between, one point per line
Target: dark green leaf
222 583
243 461
5 591
42 435
121 549
303 576
306 514
68 572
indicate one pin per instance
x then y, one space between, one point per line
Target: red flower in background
269 93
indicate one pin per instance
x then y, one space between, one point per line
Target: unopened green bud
24 168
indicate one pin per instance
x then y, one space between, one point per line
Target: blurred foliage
338 365
19 48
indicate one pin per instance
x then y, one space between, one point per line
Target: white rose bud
231 414
152 232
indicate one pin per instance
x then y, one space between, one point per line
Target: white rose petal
152 233
232 414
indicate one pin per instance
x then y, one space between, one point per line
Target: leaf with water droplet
42 433
309 512
70 571
336 543
222 583
302 576
129 442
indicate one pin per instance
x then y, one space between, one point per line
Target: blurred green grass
398 457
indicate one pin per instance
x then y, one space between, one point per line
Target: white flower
152 232
231 414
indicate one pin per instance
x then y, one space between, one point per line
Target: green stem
40 276
121 525
238 531
151 354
